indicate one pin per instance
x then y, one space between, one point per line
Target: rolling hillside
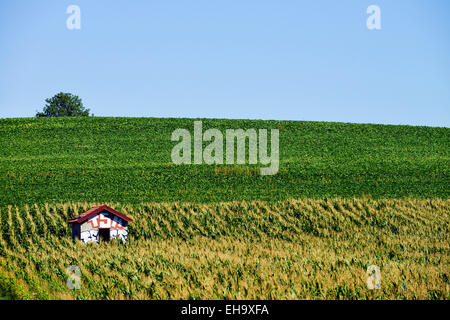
347 196
128 160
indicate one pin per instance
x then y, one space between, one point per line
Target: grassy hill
347 196
128 160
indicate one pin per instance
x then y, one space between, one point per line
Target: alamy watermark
374 20
74 279
213 153
373 278
73 22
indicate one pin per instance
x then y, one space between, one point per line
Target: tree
64 105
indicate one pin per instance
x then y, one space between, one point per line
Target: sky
249 59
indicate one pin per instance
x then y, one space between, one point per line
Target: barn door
104 235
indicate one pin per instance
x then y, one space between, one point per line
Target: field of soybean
128 160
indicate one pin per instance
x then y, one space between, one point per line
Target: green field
347 196
128 160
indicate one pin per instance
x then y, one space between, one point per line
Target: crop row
247 250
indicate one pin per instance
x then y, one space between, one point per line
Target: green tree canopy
64 105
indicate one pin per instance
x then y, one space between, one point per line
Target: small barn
100 223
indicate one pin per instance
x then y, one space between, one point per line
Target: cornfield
291 249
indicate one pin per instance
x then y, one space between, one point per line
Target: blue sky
252 59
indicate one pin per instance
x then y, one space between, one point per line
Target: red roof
95 210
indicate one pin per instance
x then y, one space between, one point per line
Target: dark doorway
103 235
